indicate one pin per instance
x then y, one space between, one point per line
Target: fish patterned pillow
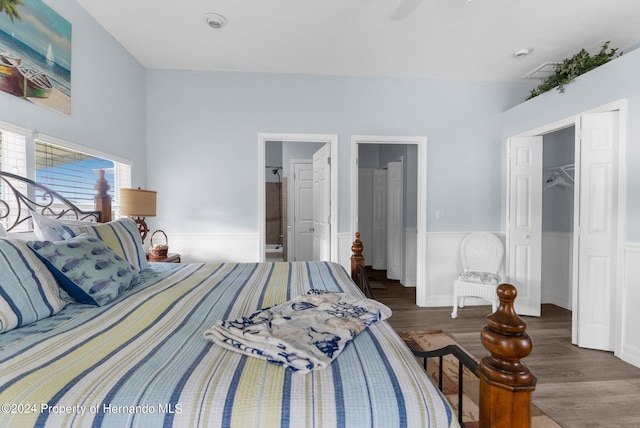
87 268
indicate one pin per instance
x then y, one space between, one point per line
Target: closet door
394 220
379 219
524 233
598 202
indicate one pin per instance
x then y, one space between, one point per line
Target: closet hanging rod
564 169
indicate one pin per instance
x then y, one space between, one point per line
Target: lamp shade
138 202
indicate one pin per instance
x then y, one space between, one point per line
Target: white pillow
22 236
44 226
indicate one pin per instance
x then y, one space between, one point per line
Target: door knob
527 236
312 229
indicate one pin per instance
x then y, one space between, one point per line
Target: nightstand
171 258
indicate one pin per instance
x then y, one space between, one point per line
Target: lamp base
142 227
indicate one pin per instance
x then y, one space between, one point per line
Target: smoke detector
215 20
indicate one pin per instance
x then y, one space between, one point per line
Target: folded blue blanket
306 333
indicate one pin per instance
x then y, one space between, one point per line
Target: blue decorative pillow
121 235
28 291
87 268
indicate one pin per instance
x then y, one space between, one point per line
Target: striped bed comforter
143 360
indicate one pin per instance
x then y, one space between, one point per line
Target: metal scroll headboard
19 196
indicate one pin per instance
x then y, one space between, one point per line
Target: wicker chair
481 259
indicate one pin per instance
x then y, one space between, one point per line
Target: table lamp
138 203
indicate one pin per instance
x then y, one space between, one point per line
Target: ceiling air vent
542 71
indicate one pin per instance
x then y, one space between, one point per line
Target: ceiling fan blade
404 9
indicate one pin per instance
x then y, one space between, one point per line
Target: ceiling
452 39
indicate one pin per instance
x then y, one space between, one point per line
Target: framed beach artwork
35 54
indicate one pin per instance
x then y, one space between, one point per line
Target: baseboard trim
631 355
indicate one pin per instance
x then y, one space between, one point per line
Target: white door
596 247
379 244
394 220
322 204
524 231
303 211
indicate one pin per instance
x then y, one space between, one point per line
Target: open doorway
414 237
598 222
558 176
285 147
387 214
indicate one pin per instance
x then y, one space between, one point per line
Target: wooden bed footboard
506 383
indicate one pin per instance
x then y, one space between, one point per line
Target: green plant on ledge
573 67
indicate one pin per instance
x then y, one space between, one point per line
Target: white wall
215 117
108 99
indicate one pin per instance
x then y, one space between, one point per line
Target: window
13 159
71 173
13 155
66 168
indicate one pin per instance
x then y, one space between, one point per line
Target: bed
136 355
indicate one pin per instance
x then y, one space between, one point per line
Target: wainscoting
409 260
409 257
630 350
224 247
557 260
444 265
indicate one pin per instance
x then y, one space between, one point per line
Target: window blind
13 159
69 169
13 156
71 173
122 179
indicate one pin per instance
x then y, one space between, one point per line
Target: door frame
332 140
618 313
421 250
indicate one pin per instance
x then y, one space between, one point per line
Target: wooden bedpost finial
102 198
357 258
504 378
356 247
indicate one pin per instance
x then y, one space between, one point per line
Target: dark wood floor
576 387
